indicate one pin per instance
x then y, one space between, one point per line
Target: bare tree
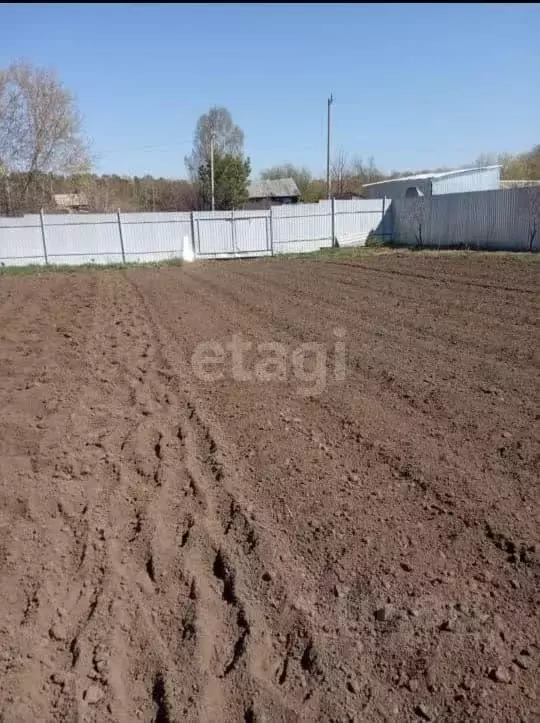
228 139
365 172
486 159
340 173
40 127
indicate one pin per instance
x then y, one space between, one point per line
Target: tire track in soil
263 651
123 606
199 438
113 650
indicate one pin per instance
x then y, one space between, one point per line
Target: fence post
192 222
333 206
121 236
271 231
42 223
383 224
266 233
233 232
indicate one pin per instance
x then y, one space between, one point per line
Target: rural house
71 202
263 194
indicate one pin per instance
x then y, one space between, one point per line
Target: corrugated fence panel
356 219
83 238
155 236
301 227
213 234
252 233
493 220
21 241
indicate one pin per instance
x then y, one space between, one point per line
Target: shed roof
276 188
66 200
436 174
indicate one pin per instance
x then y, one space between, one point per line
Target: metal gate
232 234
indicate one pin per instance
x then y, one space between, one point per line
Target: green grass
348 252
373 247
38 269
379 248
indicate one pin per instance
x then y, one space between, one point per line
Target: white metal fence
493 220
505 219
117 238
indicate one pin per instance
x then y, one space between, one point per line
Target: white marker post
187 250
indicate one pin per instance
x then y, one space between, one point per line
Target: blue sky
416 86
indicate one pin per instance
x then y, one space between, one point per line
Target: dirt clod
384 613
58 632
500 675
424 712
448 625
93 694
521 663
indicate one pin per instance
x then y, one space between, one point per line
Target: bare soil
174 549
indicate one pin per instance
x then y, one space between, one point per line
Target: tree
362 173
231 175
40 129
228 139
533 163
522 166
340 173
486 159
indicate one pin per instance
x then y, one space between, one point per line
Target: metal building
486 178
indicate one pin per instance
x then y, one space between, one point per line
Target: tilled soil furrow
247 539
179 549
439 324
384 401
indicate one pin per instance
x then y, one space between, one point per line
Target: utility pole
212 186
328 181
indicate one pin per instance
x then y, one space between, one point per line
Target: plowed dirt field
271 490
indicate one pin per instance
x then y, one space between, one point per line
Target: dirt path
174 549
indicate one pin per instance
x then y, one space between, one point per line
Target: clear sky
416 86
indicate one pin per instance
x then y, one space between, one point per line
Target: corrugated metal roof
276 188
437 174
